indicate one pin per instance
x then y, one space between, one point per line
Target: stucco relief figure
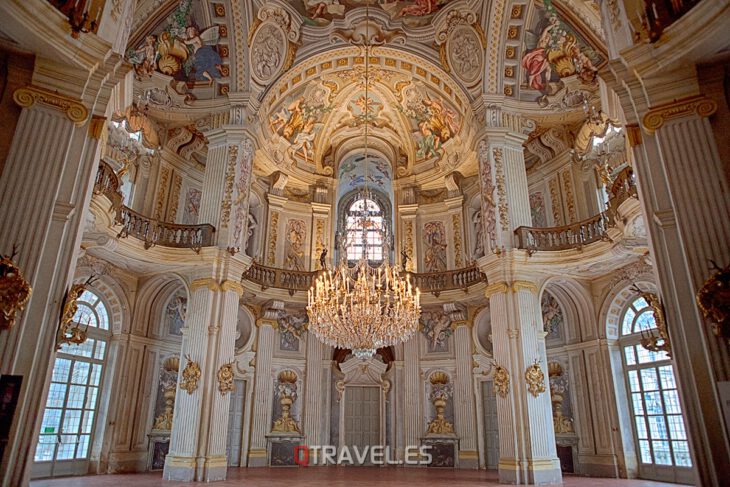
434 235
476 220
176 312
464 51
489 213
251 228
552 315
422 7
268 55
240 202
291 329
144 58
436 327
537 209
295 235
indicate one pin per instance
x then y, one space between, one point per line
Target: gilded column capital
701 106
517 286
496 288
206 282
234 286
29 95
266 322
458 323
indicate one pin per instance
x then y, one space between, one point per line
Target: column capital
205 282
517 286
29 95
496 288
700 105
459 323
234 286
261 322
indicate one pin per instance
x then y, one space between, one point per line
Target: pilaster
263 392
526 436
314 407
464 407
200 422
45 190
320 234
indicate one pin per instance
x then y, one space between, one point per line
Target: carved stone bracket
30 95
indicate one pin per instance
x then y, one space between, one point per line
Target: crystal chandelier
363 308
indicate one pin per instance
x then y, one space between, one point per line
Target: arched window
364 226
74 392
659 428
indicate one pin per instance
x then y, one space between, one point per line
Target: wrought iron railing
150 231
432 282
576 235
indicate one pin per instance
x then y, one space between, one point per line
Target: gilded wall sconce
14 291
713 299
649 341
68 331
535 379
501 381
190 376
225 378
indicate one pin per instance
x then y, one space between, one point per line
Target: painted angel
206 60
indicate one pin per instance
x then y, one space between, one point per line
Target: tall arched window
659 428
364 225
68 419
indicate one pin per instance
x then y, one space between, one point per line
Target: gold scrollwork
699 105
501 381
14 291
535 379
28 96
190 376
650 341
68 332
713 299
225 378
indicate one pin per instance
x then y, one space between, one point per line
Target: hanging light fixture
364 307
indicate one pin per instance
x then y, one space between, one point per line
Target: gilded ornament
274 228
286 390
458 257
68 332
535 379
225 378
501 187
190 376
501 381
713 299
30 95
441 391
15 291
650 341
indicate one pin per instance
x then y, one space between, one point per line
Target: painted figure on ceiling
206 60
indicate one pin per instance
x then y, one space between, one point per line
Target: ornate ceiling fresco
299 67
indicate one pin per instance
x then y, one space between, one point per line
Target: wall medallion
464 53
501 381
268 52
190 376
535 379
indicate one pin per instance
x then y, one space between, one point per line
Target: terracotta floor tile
333 477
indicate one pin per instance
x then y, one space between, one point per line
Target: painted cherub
145 57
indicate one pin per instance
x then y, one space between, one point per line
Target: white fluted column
263 393
44 194
200 422
413 426
313 393
526 436
464 407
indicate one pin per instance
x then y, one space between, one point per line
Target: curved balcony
576 235
150 231
432 282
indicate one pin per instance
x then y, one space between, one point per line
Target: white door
491 428
69 417
362 417
235 424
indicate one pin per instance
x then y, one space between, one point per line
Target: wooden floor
332 477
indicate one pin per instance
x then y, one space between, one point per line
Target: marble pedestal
444 450
280 448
